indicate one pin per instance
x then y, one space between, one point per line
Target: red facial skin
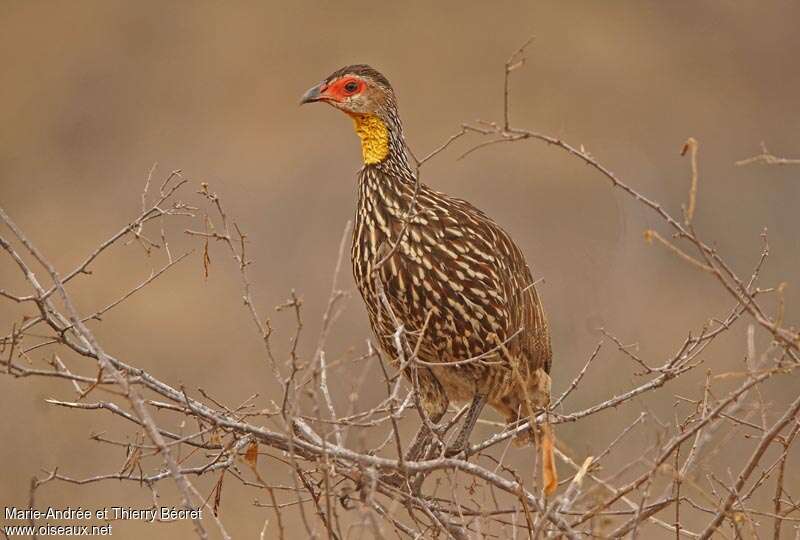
337 91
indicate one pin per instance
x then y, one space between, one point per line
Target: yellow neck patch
374 137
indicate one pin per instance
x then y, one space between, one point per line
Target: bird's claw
455 450
394 479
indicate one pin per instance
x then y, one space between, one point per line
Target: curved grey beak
313 94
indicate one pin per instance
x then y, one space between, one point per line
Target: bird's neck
387 181
381 141
387 188
374 135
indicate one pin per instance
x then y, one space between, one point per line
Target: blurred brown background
93 93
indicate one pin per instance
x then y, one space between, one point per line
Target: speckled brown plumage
439 258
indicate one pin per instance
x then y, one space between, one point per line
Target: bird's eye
351 87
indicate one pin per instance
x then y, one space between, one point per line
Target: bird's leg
461 442
421 440
420 448
423 437
462 439
432 403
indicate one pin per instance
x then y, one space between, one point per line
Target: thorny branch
323 443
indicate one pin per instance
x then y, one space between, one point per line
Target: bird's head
366 96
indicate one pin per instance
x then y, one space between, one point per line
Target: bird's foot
461 442
395 479
456 449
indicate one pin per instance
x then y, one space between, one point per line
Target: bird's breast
416 273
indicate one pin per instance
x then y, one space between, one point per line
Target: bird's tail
549 472
536 397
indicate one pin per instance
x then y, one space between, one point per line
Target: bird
438 272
